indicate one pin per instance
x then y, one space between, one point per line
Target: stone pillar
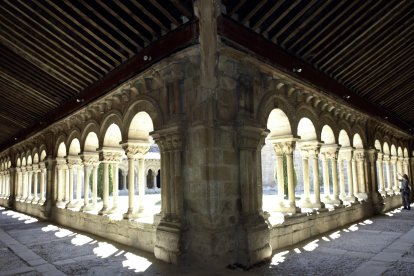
24 184
42 198
386 159
168 235
316 185
380 170
395 185
288 149
342 178
355 183
18 184
124 180
133 150
278 148
2 185
90 162
325 177
79 183
400 167
95 185
74 163
141 182
51 165
35 183
374 194
61 181
110 157
305 200
348 155
359 157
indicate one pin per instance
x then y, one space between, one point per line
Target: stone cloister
229 127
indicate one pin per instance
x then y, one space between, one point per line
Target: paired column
380 170
61 181
133 150
35 178
394 179
359 157
43 176
24 185
386 160
90 162
110 157
278 148
74 162
329 155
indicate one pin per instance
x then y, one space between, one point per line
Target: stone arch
74 134
400 152
112 137
357 141
24 163
393 150
36 158
406 152
327 135
306 130
269 102
74 147
112 118
42 152
386 148
29 158
89 141
359 130
61 150
61 139
140 127
142 104
18 162
377 145
305 110
345 126
278 123
343 138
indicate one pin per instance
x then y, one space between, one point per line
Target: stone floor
383 245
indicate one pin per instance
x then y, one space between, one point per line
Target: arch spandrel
74 134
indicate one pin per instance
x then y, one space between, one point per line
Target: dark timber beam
183 37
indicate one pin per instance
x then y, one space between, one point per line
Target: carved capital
111 155
90 159
251 137
169 139
136 149
372 155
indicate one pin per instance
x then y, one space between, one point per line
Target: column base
28 200
79 204
87 208
351 199
35 200
131 214
362 196
255 241
168 239
104 211
41 201
71 204
113 210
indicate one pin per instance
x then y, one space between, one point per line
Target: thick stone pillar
374 194
51 165
110 157
133 150
168 236
90 161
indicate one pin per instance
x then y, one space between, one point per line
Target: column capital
90 158
359 154
329 151
309 148
35 167
386 157
251 137
136 149
111 155
346 153
287 142
169 138
394 159
372 154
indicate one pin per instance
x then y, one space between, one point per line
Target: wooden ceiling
53 51
365 45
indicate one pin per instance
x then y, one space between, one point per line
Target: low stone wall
34 210
301 227
135 234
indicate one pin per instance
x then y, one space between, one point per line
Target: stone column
115 192
90 161
133 150
395 185
61 181
124 180
73 163
342 178
2 186
141 182
109 157
95 186
380 173
24 184
29 183
35 183
316 185
360 169
305 200
42 198
18 183
79 183
388 174
278 148
348 155
355 183
325 177
400 167
288 149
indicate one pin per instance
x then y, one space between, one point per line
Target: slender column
305 200
131 213
18 183
95 185
316 184
288 149
388 174
335 188
351 196
105 187
24 184
278 148
70 186
7 184
342 179
400 169
2 186
325 177
124 180
61 179
361 174
35 183
141 183
66 175
355 183
86 169
42 183
115 167
79 202
380 173
406 166
396 186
